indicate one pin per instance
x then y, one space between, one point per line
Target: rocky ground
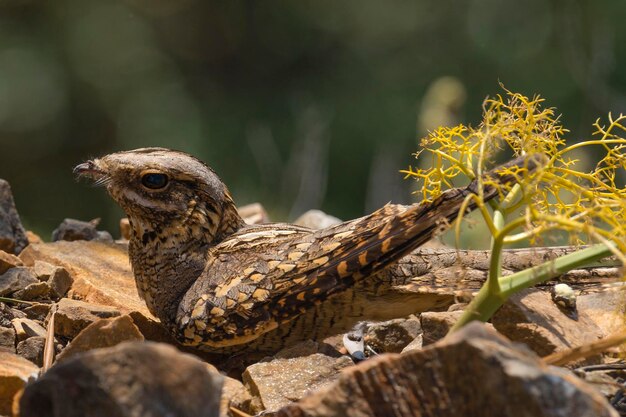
79 342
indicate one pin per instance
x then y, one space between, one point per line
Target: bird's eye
154 180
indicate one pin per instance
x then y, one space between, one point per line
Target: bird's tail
365 246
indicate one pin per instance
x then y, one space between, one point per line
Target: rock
458 307
16 279
15 371
130 379
416 344
306 348
101 272
7 314
72 316
58 279
152 330
72 229
393 335
43 270
608 381
125 228
336 342
436 324
605 308
234 394
102 333
33 291
32 349
473 372
8 261
33 237
25 328
12 234
37 311
288 378
253 213
532 318
7 339
316 219
60 282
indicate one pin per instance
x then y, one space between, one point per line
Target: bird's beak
91 170
86 169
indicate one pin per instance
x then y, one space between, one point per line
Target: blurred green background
296 104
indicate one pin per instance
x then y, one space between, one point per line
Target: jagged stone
125 228
7 314
316 219
253 213
16 279
606 308
15 371
72 229
43 270
8 261
33 237
100 271
473 372
102 333
234 394
436 324
130 379
58 279
532 318
12 234
393 335
37 311
34 291
60 282
72 316
7 339
416 344
32 349
291 375
25 328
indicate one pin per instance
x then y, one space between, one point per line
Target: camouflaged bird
222 285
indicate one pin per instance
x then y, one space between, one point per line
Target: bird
221 285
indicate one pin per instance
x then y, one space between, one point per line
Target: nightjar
224 286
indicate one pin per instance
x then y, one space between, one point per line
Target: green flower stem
551 269
497 244
486 302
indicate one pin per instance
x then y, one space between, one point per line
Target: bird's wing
266 275
282 271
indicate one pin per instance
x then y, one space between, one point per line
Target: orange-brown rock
12 234
607 309
72 316
473 372
531 317
100 271
15 371
253 213
292 374
16 279
437 324
103 333
130 379
8 261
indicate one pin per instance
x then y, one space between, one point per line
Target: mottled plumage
225 286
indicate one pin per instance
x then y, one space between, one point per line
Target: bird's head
158 187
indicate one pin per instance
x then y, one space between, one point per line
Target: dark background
296 104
